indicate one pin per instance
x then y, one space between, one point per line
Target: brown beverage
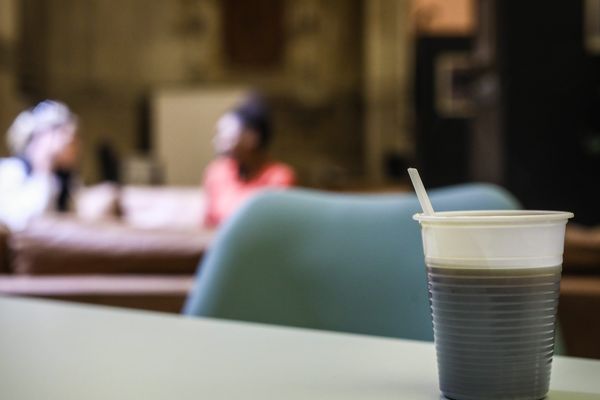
494 330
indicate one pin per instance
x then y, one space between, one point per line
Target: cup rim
495 216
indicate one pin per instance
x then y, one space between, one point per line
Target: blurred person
243 166
39 176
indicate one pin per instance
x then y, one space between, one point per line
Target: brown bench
579 306
146 292
107 263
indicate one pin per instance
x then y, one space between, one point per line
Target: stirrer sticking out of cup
421 192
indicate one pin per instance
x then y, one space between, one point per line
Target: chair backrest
351 263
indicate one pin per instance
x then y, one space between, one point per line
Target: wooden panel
253 32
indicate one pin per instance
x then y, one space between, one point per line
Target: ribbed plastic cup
494 279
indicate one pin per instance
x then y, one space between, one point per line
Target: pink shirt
225 192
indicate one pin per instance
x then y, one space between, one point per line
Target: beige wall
183 126
387 84
9 100
103 57
341 97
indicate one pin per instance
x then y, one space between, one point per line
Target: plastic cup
494 280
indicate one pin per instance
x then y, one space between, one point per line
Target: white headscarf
47 115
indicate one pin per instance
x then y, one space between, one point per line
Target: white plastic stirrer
420 190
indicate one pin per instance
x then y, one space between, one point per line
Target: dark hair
255 115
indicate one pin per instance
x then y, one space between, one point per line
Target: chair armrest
4 235
582 249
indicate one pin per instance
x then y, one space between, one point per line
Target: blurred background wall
9 96
467 90
106 59
338 72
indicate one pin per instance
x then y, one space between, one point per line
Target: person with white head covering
38 177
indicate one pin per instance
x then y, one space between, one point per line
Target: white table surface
52 350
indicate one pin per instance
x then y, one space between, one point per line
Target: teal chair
350 263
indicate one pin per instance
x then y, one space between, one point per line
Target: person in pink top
243 166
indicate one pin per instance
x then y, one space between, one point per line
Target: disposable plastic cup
494 279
